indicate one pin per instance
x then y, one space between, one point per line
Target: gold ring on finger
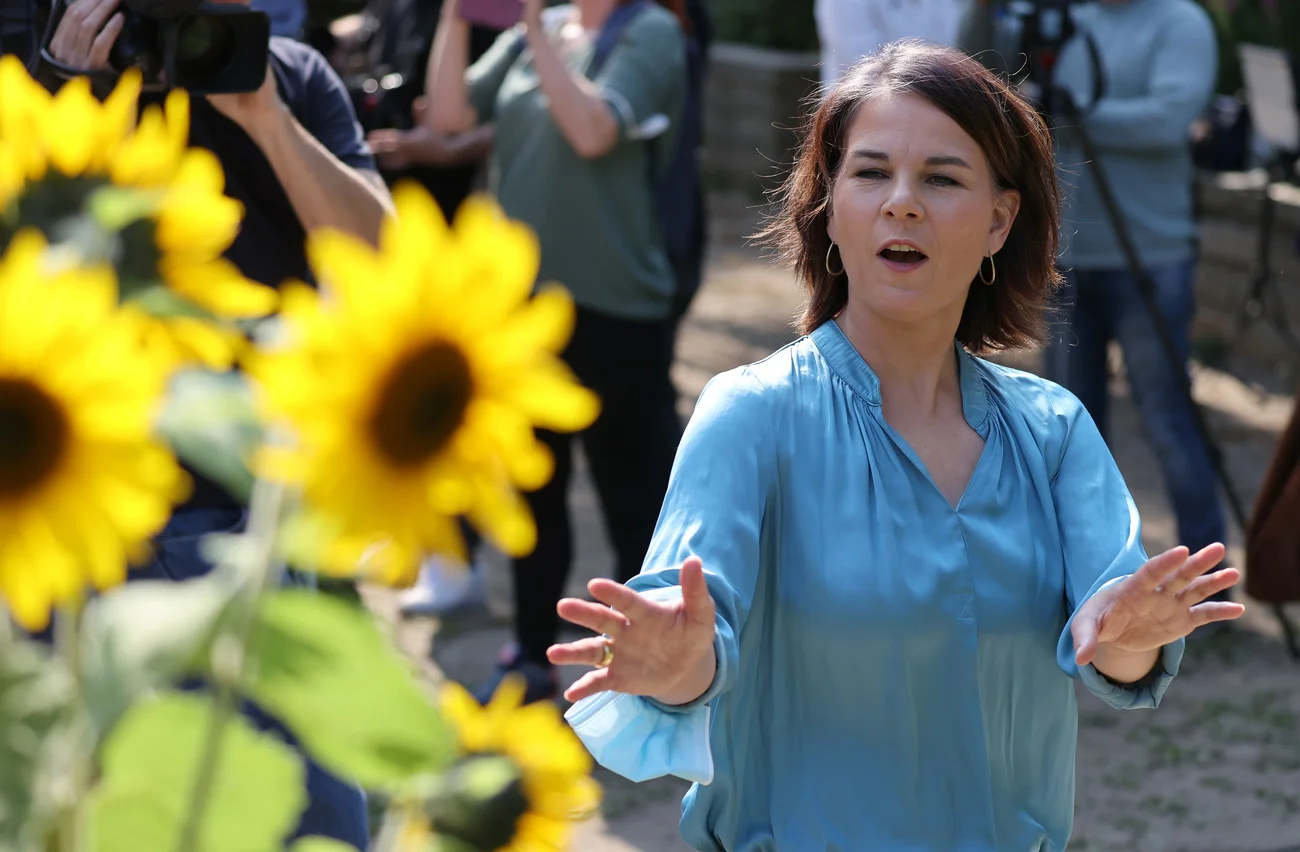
607 656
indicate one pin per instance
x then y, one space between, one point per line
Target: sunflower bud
481 803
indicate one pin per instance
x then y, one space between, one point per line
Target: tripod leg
1159 391
1263 301
1274 305
1289 631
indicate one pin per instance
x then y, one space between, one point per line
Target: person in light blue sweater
1158 61
883 562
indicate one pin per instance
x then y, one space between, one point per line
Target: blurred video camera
203 47
1033 32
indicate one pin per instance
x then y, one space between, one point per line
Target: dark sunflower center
485 802
33 436
421 404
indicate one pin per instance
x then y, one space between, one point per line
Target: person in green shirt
574 145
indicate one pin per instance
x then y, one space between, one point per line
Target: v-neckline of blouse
847 363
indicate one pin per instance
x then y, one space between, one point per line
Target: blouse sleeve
715 509
1101 537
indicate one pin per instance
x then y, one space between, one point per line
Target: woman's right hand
663 650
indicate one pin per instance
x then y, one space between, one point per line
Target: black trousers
629 449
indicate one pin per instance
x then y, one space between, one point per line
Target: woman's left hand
1163 601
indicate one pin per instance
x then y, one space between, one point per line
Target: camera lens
205 46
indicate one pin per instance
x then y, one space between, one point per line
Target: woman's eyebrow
948 160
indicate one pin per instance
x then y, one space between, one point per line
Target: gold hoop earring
832 272
993 272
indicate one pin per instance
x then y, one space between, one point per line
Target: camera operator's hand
251 110
86 34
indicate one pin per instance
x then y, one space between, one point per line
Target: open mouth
902 255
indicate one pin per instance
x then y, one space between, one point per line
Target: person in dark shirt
295 157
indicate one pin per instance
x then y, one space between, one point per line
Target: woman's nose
902 201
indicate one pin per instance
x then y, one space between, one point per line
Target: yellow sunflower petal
84 492
544 324
182 341
117 119
218 286
465 715
70 128
552 399
505 519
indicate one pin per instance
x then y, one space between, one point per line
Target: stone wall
755 98
752 106
1230 218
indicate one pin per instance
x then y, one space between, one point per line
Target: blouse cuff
1142 695
665 594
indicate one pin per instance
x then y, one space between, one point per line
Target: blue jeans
335 808
1104 305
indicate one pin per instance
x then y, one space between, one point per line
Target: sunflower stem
263 525
391 828
67 643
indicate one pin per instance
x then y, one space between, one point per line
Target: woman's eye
943 180
871 174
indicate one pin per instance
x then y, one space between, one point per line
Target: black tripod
1042 48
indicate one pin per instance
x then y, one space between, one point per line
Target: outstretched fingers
1216 611
593 616
582 652
618 596
1195 566
592 683
1204 587
1158 569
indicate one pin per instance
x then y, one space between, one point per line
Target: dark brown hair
1018 148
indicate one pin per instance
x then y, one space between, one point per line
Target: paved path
1217 769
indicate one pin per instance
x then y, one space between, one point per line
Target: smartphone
492 14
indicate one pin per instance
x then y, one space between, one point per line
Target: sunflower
524 778
83 482
413 383
67 157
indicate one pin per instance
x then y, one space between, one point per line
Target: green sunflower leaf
115 207
150 768
149 634
324 668
35 711
212 425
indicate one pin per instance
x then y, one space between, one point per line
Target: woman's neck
914 363
592 14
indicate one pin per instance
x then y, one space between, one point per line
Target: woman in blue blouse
882 559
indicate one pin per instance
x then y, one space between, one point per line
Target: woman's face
914 211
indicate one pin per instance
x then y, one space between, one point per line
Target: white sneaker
444 587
